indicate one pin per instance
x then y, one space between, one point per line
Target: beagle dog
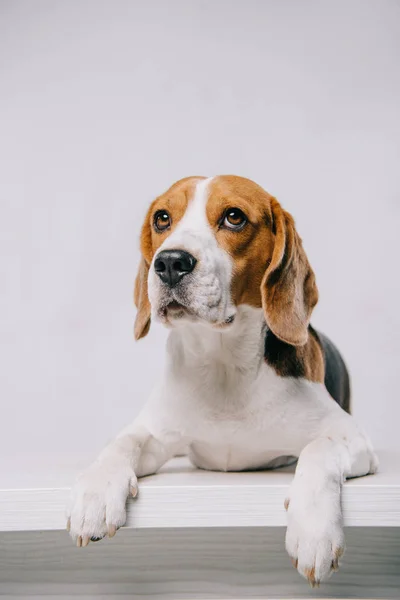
248 383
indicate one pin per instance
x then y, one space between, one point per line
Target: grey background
103 104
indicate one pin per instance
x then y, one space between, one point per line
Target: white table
195 534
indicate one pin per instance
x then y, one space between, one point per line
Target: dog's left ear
288 289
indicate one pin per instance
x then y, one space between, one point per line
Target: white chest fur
223 401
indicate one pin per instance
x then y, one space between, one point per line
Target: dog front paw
314 536
98 498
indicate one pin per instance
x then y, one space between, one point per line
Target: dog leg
98 499
314 537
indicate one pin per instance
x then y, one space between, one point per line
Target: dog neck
239 346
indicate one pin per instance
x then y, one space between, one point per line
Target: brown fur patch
175 201
251 249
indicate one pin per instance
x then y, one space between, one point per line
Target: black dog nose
172 265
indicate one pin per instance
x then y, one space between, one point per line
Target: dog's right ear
141 297
142 303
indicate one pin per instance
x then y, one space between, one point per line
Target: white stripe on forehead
200 196
196 210
193 229
195 218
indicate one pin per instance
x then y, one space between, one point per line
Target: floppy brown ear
142 303
288 289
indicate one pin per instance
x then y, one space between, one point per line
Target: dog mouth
174 310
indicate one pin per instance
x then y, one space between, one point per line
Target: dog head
210 245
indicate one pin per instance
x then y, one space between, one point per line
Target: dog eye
234 219
162 221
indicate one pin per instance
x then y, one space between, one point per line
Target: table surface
183 496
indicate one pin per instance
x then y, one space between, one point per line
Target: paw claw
68 526
339 553
310 575
286 504
134 490
78 541
85 541
111 531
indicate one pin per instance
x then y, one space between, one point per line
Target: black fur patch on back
298 362
337 380
284 358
